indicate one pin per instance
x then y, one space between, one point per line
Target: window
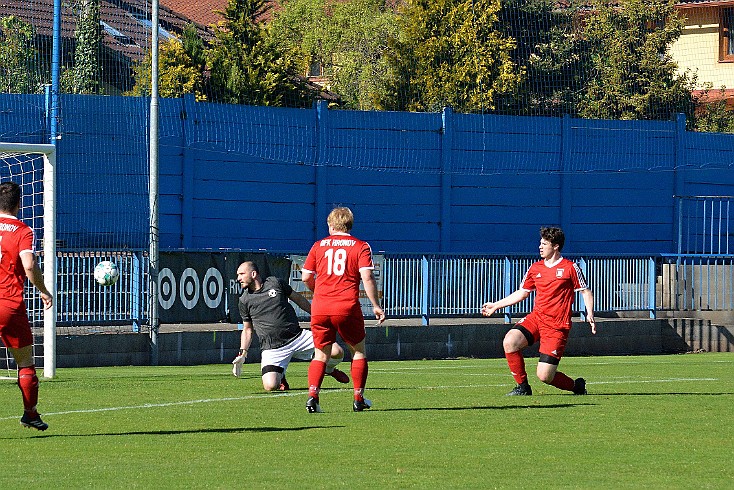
726 34
315 69
122 38
143 20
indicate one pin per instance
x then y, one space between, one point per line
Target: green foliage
634 75
247 67
84 76
19 60
713 114
194 46
452 53
178 73
555 57
348 39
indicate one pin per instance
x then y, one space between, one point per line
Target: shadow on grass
483 407
230 430
666 393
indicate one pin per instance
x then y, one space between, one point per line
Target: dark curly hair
554 235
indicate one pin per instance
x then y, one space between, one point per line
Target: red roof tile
203 12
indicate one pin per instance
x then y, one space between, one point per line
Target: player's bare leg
337 356
273 380
548 373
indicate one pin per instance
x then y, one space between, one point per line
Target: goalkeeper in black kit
264 307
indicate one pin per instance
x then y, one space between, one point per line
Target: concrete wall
466 339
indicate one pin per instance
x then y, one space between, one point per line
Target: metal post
153 191
507 287
426 294
652 278
582 305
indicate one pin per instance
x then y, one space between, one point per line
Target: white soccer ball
106 273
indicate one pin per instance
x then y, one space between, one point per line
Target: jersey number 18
336 261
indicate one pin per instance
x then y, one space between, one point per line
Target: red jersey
16 238
336 261
554 288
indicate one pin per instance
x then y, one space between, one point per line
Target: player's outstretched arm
301 301
489 308
588 297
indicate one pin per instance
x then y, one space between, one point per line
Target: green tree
19 61
452 53
553 53
348 39
634 76
84 75
713 114
181 67
247 67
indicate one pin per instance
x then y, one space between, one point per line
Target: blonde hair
341 219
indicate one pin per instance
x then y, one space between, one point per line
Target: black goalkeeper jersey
271 314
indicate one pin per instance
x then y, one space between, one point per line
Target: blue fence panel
87 306
402 286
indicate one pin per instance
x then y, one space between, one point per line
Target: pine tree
246 66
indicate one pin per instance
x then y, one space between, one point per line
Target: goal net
32 167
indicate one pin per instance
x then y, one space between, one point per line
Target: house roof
683 4
126 28
203 12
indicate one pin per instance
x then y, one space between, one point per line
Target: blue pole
426 294
55 74
507 288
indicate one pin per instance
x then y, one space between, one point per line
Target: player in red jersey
18 261
333 269
555 281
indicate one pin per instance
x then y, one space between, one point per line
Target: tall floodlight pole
153 191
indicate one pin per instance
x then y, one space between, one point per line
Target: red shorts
553 339
15 330
325 328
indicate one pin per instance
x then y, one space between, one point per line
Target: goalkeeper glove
237 363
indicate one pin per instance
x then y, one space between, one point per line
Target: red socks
316 371
516 361
28 384
562 381
359 377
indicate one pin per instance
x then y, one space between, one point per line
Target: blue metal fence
83 305
443 286
422 286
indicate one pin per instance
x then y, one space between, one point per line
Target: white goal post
19 152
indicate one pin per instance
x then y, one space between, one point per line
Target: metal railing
420 286
83 305
696 283
443 286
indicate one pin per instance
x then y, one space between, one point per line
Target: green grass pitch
648 422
